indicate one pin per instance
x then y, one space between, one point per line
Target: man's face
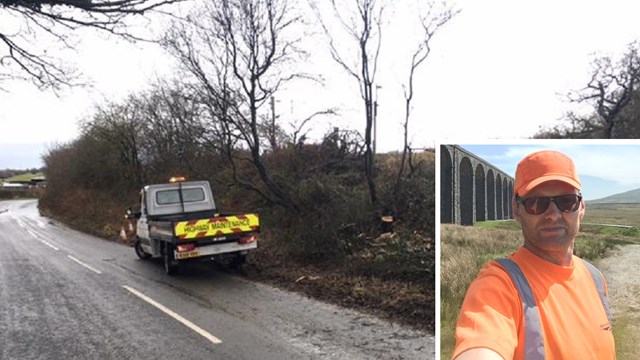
552 231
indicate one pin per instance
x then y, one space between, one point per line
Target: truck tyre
139 251
170 266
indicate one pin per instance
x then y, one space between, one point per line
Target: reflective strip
533 341
218 226
597 279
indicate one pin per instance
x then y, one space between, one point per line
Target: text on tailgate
217 226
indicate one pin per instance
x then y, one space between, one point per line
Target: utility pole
375 119
272 130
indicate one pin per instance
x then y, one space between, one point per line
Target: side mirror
131 215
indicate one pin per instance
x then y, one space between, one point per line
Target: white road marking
169 312
85 265
49 245
42 241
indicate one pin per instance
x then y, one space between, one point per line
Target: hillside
628 197
22 178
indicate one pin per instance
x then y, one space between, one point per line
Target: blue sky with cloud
605 168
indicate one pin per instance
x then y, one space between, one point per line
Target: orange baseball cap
542 166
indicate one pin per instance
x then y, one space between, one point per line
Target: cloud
616 163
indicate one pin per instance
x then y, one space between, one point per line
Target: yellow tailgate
217 226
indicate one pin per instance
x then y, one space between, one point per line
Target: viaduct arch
471 189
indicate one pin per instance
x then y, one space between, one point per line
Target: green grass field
465 249
26 177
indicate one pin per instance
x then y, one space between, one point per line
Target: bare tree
240 52
300 131
23 21
117 127
363 25
171 120
573 126
276 136
613 86
432 20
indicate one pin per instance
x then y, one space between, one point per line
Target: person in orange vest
540 302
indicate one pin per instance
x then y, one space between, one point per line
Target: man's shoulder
493 275
589 268
582 262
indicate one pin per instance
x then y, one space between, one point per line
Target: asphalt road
67 295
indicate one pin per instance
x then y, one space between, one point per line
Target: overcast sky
498 70
605 168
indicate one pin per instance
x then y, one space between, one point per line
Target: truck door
143 221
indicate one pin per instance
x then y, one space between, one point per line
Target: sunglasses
539 204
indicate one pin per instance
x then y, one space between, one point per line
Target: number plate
188 254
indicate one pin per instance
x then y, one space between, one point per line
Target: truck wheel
170 267
139 251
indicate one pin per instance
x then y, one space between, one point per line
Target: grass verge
625 334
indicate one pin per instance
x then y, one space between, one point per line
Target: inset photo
539 250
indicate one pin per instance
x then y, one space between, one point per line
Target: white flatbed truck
179 221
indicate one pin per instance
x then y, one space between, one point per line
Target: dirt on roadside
408 303
396 301
620 269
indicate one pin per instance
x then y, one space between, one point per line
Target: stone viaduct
471 189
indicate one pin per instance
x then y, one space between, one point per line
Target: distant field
619 214
465 249
23 177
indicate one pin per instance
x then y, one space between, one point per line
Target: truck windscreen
167 197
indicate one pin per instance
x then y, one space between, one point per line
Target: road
68 295
620 270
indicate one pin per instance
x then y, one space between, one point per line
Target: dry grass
619 214
464 251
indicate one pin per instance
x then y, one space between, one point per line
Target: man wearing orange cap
541 302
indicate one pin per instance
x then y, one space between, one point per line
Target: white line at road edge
42 241
85 265
169 312
49 245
